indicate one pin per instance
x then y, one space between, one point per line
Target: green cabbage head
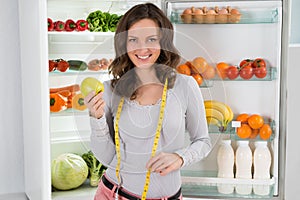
68 171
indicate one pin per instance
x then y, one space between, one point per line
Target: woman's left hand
164 163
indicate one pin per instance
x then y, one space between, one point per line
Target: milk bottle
262 164
243 161
225 160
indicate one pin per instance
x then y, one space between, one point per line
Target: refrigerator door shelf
194 184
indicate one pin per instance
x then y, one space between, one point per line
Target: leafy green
102 21
96 169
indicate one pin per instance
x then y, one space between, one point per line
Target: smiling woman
138 123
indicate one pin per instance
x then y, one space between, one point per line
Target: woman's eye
132 40
153 39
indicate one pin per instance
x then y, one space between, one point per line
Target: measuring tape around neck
155 143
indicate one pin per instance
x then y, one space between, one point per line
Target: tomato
259 62
232 72
90 84
260 72
62 65
245 61
246 72
52 65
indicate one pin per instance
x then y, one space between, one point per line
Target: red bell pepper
59 26
62 65
70 25
50 25
81 25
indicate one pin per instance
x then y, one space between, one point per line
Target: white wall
295 27
11 137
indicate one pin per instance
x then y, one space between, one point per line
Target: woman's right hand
95 104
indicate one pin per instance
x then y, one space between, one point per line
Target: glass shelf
251 16
205 183
75 72
69 112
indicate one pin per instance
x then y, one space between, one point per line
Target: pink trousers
104 193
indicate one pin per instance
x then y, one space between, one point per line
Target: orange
222 69
255 121
199 65
243 117
244 131
254 133
184 69
198 78
265 132
209 73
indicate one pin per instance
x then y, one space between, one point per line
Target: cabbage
68 171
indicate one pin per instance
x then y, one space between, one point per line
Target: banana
210 112
213 121
219 109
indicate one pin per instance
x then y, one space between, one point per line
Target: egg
223 11
187 11
234 12
198 11
211 12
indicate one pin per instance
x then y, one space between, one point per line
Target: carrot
65 93
71 88
57 102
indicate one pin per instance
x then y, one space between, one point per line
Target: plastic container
261 163
243 161
225 160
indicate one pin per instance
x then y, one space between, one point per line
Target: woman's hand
165 163
95 104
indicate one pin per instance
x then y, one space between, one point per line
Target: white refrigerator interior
259 33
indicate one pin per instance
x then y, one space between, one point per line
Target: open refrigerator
260 32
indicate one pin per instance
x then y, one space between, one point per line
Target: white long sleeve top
184 113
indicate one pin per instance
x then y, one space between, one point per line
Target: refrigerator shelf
79 73
69 112
205 183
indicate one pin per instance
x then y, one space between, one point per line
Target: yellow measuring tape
155 143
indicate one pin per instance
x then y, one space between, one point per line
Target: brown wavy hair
167 60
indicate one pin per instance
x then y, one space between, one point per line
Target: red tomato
62 65
246 72
52 65
232 72
260 72
258 62
245 61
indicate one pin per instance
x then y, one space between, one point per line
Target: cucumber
77 65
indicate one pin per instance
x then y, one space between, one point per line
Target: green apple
90 84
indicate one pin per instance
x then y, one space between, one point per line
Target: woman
138 123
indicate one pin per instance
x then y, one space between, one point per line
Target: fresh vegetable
52 65
50 25
246 72
259 62
221 69
70 25
245 61
57 102
82 25
102 21
232 72
68 171
78 102
260 72
96 169
90 84
71 88
62 65
77 65
59 26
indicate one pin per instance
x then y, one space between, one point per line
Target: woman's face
143 47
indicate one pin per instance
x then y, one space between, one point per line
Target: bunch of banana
218 114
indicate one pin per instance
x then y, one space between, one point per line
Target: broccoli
96 169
